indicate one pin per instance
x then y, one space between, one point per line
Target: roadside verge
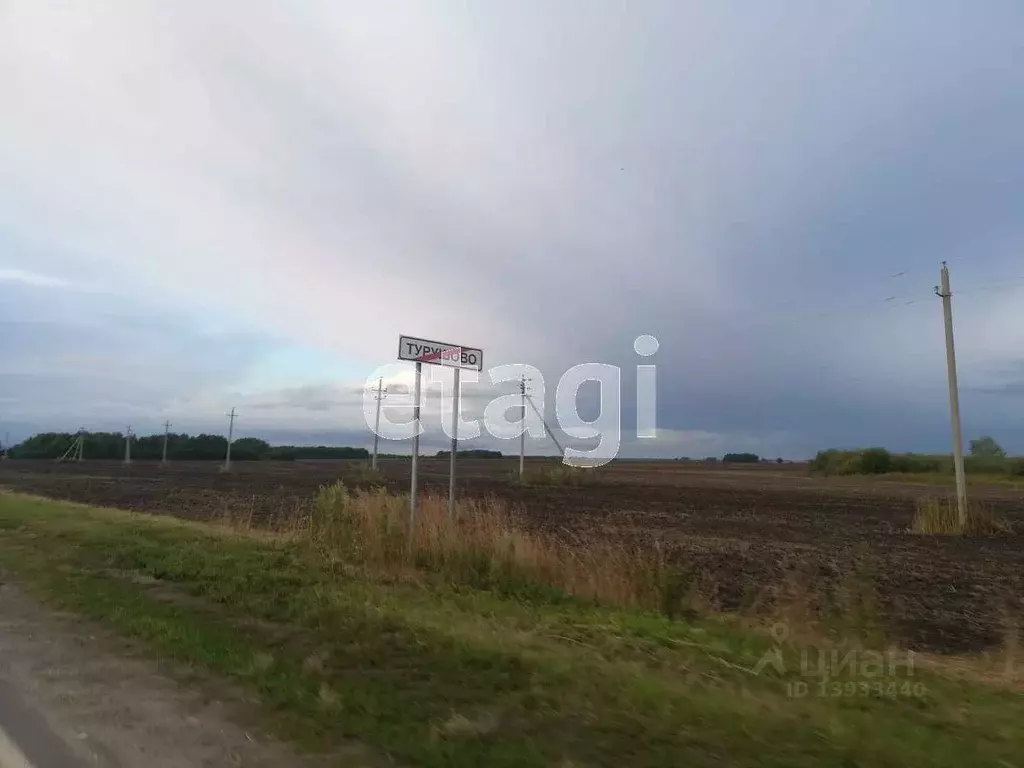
431 674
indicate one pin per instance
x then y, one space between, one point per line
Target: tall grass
940 516
484 545
489 545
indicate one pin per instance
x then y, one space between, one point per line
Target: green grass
438 675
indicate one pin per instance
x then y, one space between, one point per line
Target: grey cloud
1008 388
310 398
86 359
547 183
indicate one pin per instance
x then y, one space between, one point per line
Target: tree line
985 457
180 447
475 453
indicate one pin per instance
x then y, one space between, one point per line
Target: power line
1011 283
526 398
796 312
543 421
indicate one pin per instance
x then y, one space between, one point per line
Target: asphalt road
73 695
26 739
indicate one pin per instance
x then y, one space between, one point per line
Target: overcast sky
207 205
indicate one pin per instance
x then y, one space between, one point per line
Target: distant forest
477 453
181 447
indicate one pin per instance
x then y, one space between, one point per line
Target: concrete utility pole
954 397
376 426
231 436
167 431
522 437
128 445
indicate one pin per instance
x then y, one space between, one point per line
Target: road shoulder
71 694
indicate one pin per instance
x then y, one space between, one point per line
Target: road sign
455 356
439 353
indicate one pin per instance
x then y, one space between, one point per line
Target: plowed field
743 533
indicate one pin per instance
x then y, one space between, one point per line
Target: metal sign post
415 452
454 356
455 446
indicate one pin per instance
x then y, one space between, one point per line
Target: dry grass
939 516
488 545
1003 666
484 545
236 518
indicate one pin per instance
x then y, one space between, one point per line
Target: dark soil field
746 534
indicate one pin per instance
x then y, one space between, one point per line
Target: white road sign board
439 353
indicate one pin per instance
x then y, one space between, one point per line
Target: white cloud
30 278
